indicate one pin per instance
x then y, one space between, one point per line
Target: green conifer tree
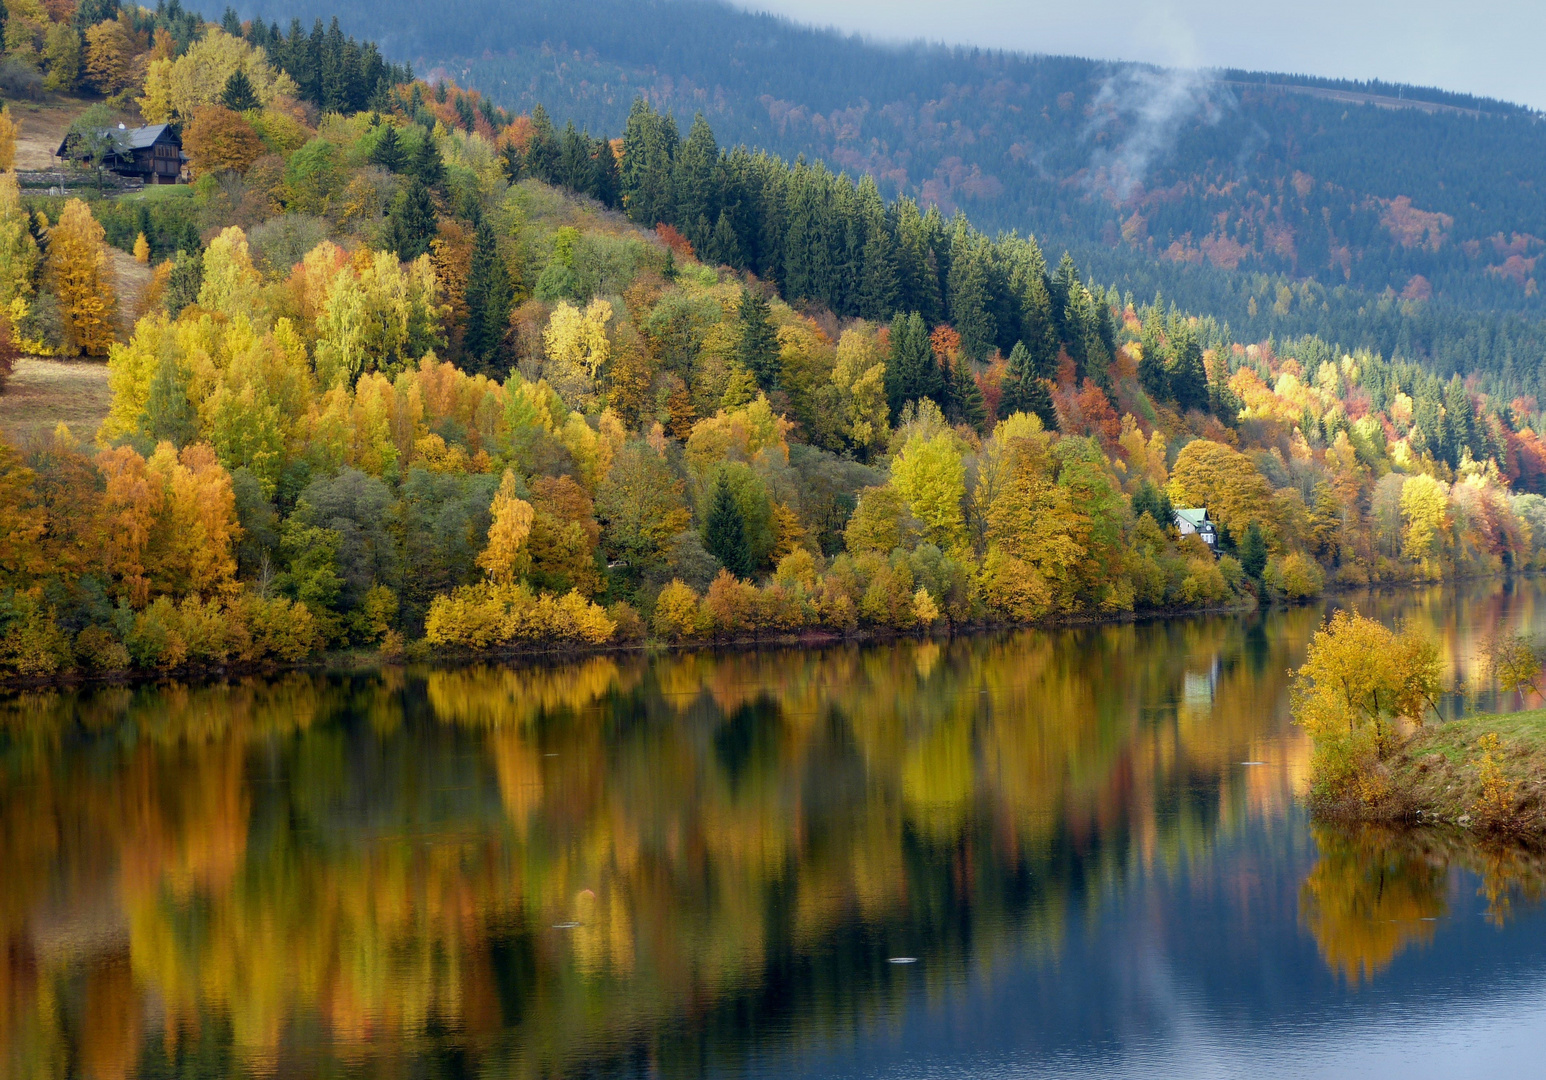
427 164
239 95
758 348
912 372
489 296
169 415
411 221
724 532
388 151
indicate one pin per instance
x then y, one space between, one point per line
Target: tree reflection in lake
629 863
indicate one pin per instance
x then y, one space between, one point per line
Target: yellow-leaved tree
1358 678
230 280
577 346
1223 481
508 556
18 251
1425 511
9 129
82 282
931 475
109 57
860 377
175 88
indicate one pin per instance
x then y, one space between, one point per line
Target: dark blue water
1076 853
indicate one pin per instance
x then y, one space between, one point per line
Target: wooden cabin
153 154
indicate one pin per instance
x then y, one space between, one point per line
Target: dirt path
42 392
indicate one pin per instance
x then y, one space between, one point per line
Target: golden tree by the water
1358 679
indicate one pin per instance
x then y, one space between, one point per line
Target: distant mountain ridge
1277 201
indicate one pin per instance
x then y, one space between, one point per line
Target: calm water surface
1085 844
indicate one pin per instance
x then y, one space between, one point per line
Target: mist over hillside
1372 214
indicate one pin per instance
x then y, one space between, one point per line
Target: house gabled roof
140 138
1196 518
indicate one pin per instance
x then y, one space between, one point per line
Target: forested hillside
1283 214
429 374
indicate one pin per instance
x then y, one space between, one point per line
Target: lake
1066 853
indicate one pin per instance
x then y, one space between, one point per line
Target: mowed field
42 393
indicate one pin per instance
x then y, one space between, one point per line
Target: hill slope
1226 172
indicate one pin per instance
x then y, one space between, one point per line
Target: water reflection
670 865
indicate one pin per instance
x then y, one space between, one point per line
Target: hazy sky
1493 49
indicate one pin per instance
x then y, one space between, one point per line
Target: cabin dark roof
140 138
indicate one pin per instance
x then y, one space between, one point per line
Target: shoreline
1452 774
419 652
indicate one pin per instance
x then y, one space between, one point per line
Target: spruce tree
427 164
1253 551
967 405
650 143
724 248
185 281
388 151
912 372
604 173
239 95
542 153
724 533
1024 390
411 221
489 296
1187 374
576 166
697 194
878 287
758 348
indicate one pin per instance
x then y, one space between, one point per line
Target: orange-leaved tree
219 139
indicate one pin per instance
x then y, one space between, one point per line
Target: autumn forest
413 373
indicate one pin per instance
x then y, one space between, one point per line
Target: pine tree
388 151
724 532
427 164
1253 551
1187 374
489 296
724 248
1024 390
411 221
239 95
758 349
542 153
912 371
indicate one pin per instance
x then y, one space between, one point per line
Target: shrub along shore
1486 772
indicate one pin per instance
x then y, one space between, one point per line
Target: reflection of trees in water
1375 891
371 866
